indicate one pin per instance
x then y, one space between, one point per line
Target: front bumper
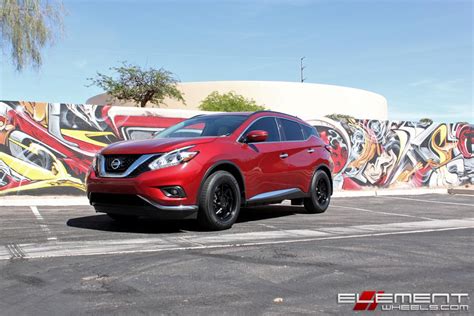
142 195
136 205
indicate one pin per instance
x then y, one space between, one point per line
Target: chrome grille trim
130 169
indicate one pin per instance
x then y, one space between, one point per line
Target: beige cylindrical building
305 100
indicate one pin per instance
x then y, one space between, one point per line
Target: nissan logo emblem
115 164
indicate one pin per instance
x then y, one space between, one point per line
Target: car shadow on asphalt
103 222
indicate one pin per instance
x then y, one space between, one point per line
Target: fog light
173 192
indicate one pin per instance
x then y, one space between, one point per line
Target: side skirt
276 196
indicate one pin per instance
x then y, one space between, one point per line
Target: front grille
119 163
117 199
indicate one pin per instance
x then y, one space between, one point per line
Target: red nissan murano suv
208 166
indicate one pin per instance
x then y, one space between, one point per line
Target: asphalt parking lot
275 260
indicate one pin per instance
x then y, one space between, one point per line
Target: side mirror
256 136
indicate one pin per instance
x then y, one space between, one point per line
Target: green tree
229 102
26 27
340 117
426 121
140 85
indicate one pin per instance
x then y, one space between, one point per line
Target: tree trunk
147 97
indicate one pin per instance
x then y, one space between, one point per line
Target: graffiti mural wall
48 147
401 154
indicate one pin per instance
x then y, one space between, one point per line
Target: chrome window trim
130 169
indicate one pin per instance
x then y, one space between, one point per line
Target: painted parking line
427 201
42 224
47 201
383 213
228 240
462 194
15 251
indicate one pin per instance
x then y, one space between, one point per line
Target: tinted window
309 131
202 126
292 130
267 124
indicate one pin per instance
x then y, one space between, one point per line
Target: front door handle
283 155
311 150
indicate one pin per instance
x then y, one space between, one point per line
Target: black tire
320 191
123 218
219 201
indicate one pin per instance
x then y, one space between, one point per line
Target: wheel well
328 172
232 169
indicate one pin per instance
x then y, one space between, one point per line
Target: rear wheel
219 201
320 197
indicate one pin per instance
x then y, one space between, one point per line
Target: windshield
202 126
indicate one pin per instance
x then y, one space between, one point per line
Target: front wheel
320 192
219 201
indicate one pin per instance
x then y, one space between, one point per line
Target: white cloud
422 82
451 85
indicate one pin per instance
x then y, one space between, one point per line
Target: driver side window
267 124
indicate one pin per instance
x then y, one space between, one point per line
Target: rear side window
309 131
292 130
267 124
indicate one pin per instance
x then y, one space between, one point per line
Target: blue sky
417 53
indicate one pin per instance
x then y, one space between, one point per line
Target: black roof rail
218 113
250 114
198 115
276 112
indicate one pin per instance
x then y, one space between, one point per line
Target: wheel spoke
322 191
223 201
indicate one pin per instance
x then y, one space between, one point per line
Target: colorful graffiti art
46 147
371 153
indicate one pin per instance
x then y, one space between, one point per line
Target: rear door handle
283 155
311 150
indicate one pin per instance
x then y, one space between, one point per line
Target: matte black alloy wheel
219 201
223 201
322 191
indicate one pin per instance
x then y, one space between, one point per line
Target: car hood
152 146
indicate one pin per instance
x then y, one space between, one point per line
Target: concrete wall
48 147
306 100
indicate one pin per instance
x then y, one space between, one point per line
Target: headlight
95 162
173 158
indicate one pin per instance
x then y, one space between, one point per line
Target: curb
386 192
467 191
